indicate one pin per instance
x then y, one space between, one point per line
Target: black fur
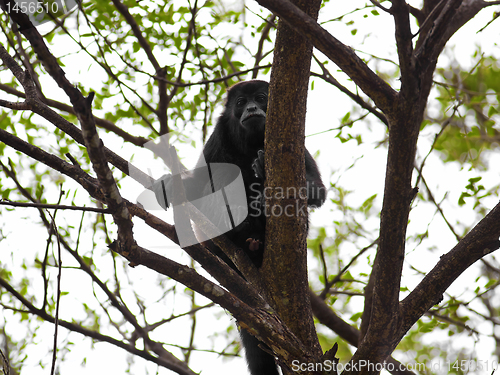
238 139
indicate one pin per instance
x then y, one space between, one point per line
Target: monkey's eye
261 98
241 101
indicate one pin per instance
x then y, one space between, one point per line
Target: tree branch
374 86
103 123
263 323
87 182
327 77
327 317
425 23
221 271
404 44
480 241
176 366
122 8
437 36
93 143
378 5
53 206
34 104
264 35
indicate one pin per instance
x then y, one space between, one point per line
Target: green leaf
492 111
355 317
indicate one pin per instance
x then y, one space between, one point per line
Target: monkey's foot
253 244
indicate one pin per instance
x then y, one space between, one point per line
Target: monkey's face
251 110
246 108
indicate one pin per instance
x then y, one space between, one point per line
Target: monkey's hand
162 188
258 165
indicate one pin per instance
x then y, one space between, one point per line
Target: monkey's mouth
253 115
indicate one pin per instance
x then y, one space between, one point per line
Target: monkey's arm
316 191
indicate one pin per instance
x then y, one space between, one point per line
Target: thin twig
326 291
378 5
5 202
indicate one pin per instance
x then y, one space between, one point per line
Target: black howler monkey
238 139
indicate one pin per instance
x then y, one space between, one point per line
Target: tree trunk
285 258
